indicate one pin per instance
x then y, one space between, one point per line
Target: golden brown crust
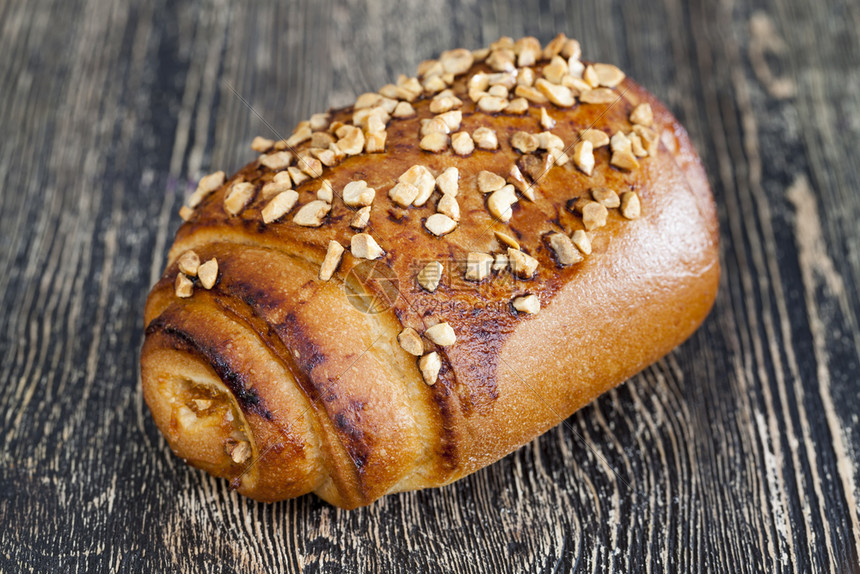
323 393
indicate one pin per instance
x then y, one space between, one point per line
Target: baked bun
406 290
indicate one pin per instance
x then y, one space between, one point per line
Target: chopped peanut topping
374 142
363 246
526 77
636 145
546 121
434 125
501 262
302 134
583 156
280 205
498 91
515 177
262 144
571 49
565 253
518 106
403 194
591 77
440 224
630 206
361 218
309 164
358 194
648 137
325 192
351 140
207 185
430 364
501 60
622 152
597 138
442 334
499 203
462 143
448 206
435 142
506 239
434 84
312 214
485 138
492 104
593 215
522 264
608 75
582 241
531 94
478 265
489 181
410 341
403 110
421 178
366 100
238 197
183 287
605 196
273 188
558 95
188 263
557 155
598 96
527 304
448 181
319 121
524 142
297 175
456 61
554 47
185 213
333 255
555 70
642 115
528 51
208 273
240 452
452 119
443 104
430 276
548 140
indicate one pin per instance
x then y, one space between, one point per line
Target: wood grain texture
738 452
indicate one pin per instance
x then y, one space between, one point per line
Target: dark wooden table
736 453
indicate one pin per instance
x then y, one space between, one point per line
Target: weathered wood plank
738 452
